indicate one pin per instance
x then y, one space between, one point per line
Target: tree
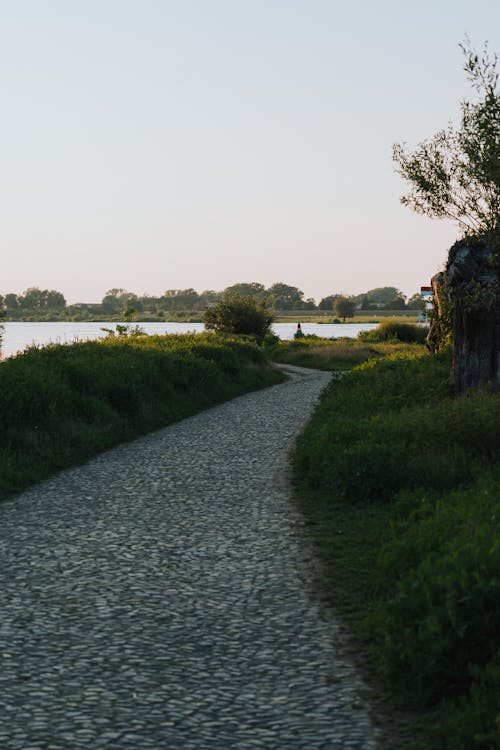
11 302
285 297
380 297
209 295
40 299
396 303
240 315
344 307
55 300
118 300
247 289
327 302
416 302
456 175
181 299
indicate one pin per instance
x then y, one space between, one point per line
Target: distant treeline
43 303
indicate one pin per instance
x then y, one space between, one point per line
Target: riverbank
19 335
399 484
282 316
62 404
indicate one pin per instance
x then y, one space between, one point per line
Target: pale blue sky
152 144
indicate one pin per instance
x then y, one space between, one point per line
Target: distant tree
382 295
246 289
11 302
285 297
110 304
240 315
55 300
344 307
181 299
328 302
396 303
309 304
416 302
117 300
209 295
147 302
129 313
32 299
37 299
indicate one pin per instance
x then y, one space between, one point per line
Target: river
19 335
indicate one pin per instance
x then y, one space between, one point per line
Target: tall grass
392 460
332 354
61 404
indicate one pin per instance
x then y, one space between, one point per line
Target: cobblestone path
154 598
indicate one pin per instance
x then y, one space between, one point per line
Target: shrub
239 315
392 330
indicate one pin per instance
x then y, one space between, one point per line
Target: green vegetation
399 483
344 307
395 330
62 404
330 354
456 174
188 305
239 315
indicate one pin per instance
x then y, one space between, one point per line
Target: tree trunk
473 276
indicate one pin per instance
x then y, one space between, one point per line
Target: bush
392 330
239 315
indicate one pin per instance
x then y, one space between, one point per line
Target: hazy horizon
165 145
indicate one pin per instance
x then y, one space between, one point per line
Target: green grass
399 483
62 404
333 354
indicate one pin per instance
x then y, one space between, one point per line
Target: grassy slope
411 553
62 404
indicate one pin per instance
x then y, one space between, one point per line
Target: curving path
154 598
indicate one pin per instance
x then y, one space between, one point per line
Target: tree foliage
246 289
344 307
456 174
35 299
327 302
241 315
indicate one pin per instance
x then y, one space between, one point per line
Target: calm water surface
17 336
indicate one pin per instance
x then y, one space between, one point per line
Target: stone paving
156 597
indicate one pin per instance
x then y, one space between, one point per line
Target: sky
166 144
